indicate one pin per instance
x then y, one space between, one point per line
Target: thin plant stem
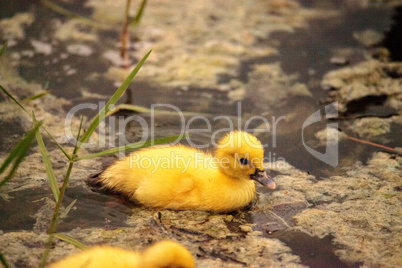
53 223
4 261
140 12
109 105
371 143
124 35
3 48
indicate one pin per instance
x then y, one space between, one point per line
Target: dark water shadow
313 251
94 209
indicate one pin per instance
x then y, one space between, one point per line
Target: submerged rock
13 28
369 38
339 61
370 78
269 85
371 126
330 135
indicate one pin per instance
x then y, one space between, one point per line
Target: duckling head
167 254
240 155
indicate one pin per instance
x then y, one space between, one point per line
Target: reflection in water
95 210
313 251
15 214
90 210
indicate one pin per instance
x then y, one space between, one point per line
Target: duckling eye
243 161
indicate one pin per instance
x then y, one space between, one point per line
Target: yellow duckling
180 177
161 255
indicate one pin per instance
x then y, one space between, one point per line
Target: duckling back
100 257
161 255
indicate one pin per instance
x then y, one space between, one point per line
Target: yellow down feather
180 177
161 255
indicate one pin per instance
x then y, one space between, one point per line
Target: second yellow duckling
180 177
161 255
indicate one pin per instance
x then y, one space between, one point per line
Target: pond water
305 53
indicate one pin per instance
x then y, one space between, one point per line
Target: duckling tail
94 180
96 184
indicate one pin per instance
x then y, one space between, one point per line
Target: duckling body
180 177
161 255
100 256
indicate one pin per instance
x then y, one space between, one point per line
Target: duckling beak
262 177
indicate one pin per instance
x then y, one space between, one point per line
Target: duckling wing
175 193
178 184
167 177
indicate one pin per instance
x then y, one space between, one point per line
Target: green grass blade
140 11
119 92
46 160
131 146
69 240
144 110
129 107
3 48
4 261
11 97
18 153
58 144
67 210
60 9
19 104
78 136
37 96
127 11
